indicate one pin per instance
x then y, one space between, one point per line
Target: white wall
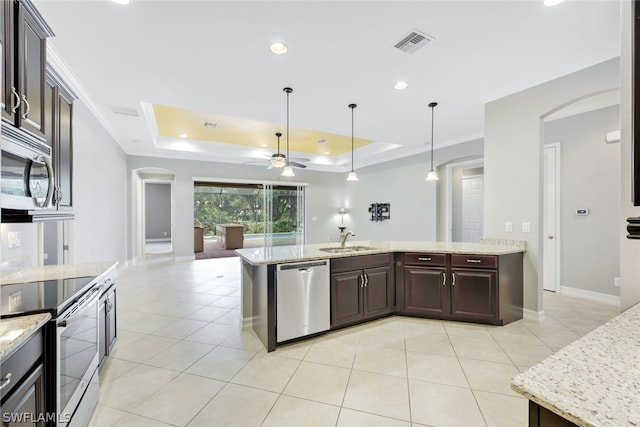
414 201
157 210
25 255
513 160
324 196
629 249
100 191
590 178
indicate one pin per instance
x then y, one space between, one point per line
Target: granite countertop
295 253
55 272
16 330
595 381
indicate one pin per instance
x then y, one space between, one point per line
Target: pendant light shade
288 170
432 175
352 175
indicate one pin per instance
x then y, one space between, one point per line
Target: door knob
550 237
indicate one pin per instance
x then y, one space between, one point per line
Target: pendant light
352 175
432 175
278 160
288 170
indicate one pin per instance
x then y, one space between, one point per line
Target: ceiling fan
279 160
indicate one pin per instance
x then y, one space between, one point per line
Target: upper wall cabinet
58 124
24 35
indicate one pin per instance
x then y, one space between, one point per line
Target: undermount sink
346 249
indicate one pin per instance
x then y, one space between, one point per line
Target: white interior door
550 250
472 190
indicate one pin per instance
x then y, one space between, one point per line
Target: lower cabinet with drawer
361 289
22 386
478 288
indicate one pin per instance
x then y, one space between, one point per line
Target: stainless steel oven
77 358
26 176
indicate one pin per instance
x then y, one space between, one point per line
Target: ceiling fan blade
299 159
297 165
255 162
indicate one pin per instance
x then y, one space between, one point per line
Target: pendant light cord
432 108
288 92
353 107
432 105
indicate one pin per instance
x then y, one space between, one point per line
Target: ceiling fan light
278 161
288 171
352 176
432 176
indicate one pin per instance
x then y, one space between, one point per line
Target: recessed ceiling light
552 2
263 145
327 152
278 48
401 85
322 141
182 135
121 1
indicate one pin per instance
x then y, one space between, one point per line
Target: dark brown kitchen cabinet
107 323
361 288
474 294
22 384
477 288
24 38
59 125
425 280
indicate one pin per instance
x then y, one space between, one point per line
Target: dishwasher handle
301 265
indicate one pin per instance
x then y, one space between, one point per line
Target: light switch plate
526 227
15 239
508 226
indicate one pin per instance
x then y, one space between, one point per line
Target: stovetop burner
45 296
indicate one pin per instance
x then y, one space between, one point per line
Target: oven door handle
95 293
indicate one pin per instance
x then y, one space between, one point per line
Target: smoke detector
413 41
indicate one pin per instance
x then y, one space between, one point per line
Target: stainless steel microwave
26 176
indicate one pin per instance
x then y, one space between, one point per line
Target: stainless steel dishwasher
302 302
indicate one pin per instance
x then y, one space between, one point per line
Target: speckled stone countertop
295 253
595 381
16 330
55 272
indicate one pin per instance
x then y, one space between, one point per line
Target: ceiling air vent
413 41
125 111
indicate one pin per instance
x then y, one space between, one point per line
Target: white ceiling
213 56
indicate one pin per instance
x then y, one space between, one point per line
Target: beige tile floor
182 359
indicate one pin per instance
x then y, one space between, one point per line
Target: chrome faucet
344 234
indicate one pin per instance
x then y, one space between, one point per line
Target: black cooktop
51 296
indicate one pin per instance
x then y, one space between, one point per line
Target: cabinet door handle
444 279
361 279
5 380
453 281
424 258
24 115
366 280
474 261
16 105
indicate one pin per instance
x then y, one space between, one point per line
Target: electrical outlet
15 300
616 281
526 227
45 256
15 239
508 226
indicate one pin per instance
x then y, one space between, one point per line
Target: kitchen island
594 381
478 282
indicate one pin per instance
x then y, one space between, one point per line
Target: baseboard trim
247 323
158 240
534 316
590 295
